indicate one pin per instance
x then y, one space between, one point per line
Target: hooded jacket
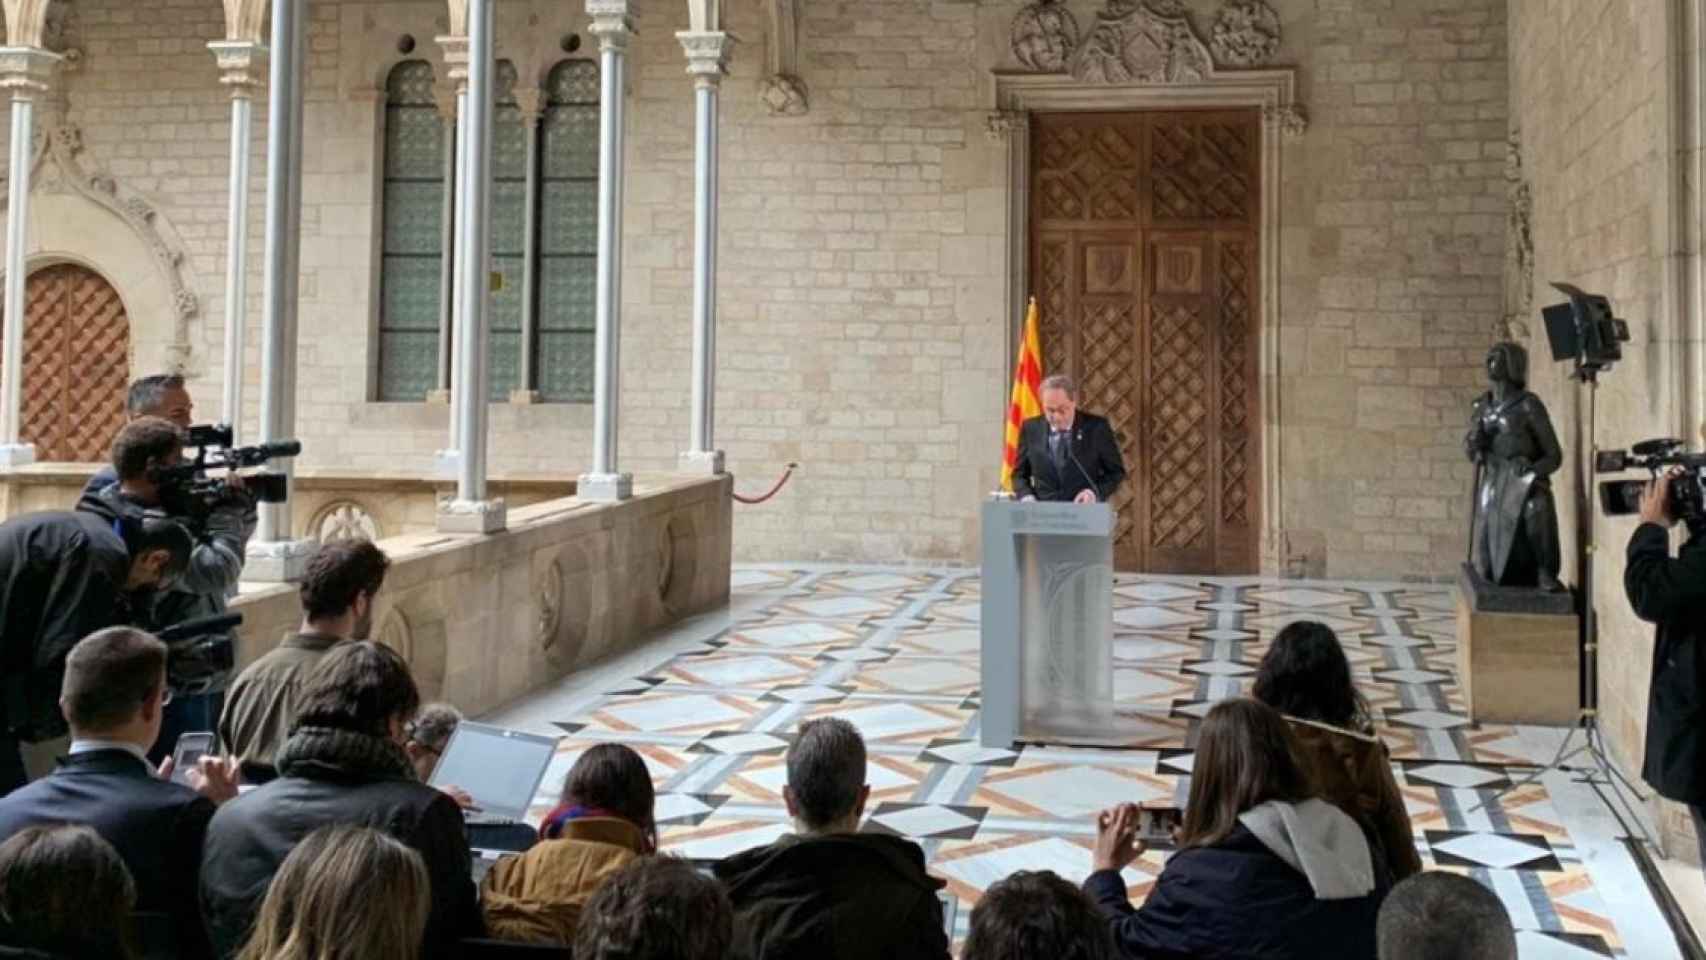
1291 882
537 896
1353 771
844 896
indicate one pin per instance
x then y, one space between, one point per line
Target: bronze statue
1514 539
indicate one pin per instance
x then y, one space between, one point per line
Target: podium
1047 623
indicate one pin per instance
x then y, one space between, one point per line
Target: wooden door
1144 231
76 364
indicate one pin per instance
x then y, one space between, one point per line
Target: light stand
1603 772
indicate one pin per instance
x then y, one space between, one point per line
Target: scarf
552 826
321 753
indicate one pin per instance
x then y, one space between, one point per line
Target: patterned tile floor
895 651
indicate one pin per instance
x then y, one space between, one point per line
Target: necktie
1057 449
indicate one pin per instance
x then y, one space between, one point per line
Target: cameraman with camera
1672 594
146 458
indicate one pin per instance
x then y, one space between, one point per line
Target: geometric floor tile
927 820
1497 850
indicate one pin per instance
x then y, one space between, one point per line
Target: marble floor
711 703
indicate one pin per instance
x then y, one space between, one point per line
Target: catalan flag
1027 393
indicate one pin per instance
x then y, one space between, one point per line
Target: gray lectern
1048 622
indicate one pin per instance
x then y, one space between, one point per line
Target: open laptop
501 769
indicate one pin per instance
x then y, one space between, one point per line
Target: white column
707 61
25 71
471 512
237 61
532 103
273 555
448 461
613 25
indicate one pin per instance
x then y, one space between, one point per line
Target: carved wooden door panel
76 364
1143 257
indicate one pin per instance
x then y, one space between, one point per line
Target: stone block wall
1594 142
864 327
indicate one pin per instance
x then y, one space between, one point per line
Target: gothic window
506 313
568 243
412 235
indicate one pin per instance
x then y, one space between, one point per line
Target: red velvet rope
773 490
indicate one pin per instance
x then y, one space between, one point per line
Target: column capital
444 95
242 64
455 59
612 22
531 102
707 53
27 71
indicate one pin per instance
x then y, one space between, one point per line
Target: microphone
1074 458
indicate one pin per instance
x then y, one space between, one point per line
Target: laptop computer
501 769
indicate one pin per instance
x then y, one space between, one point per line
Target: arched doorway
76 363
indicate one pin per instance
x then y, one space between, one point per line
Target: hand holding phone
187 754
1157 824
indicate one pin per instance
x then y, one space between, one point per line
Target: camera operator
1672 594
221 536
162 395
62 577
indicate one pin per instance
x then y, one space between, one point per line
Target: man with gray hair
1443 916
1066 454
826 889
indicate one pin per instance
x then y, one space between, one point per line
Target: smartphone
1156 824
191 747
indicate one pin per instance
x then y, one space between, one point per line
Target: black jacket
1237 899
62 577
157 827
851 896
1672 594
1092 460
336 777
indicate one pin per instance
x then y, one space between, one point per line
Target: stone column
273 555
26 71
532 104
707 61
613 25
448 462
239 62
471 512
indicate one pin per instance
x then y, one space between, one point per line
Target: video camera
1621 498
196 493
200 655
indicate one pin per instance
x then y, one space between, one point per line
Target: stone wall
484 620
863 326
1594 145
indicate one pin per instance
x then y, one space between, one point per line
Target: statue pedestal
1516 653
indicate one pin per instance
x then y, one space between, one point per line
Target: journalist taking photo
1672 594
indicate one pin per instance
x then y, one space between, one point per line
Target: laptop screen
499 768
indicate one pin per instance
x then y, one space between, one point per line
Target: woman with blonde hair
344 893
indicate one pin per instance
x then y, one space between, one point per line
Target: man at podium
1066 454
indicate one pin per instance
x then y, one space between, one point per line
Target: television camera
1621 498
189 489
200 654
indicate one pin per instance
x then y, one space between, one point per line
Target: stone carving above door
1144 41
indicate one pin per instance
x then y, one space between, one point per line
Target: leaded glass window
509 237
412 235
568 241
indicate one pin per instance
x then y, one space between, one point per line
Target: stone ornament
782 90
1131 43
1045 34
548 596
1519 242
1246 34
1002 124
343 520
1288 118
785 95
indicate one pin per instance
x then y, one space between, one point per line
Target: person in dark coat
1066 454
62 577
343 764
1264 871
115 687
828 892
1671 593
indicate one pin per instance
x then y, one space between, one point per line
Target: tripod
1603 771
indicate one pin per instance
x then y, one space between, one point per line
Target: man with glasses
1067 454
113 697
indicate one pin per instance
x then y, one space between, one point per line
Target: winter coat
336 777
537 896
1353 771
844 896
1672 594
1291 882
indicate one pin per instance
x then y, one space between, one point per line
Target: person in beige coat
603 823
1306 677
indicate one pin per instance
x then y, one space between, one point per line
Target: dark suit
157 827
1090 460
